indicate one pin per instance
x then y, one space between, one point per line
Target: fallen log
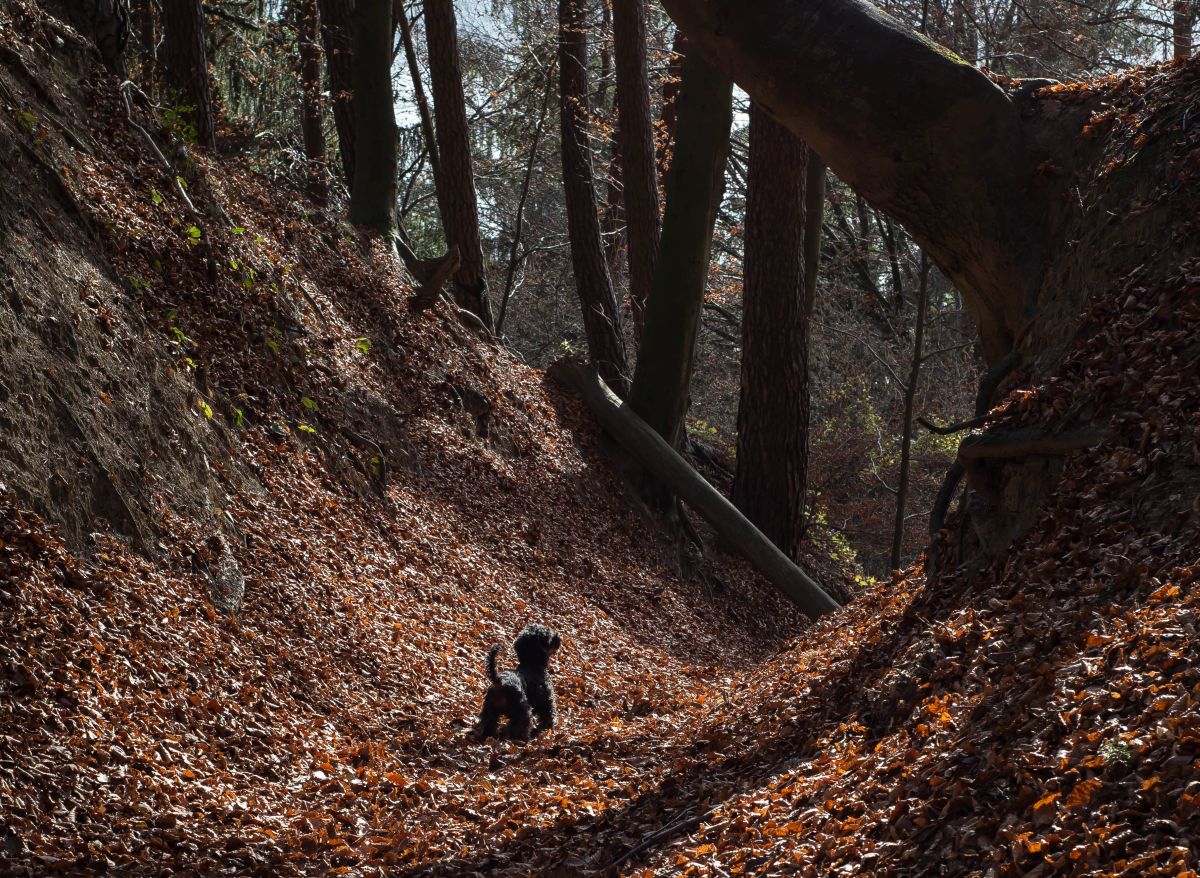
660 459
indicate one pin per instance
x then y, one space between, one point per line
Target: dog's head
536 644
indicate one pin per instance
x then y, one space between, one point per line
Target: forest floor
399 495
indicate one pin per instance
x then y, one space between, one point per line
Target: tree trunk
373 195
601 316
694 186
337 18
650 451
635 140
1182 31
910 398
921 133
187 65
312 127
772 440
456 187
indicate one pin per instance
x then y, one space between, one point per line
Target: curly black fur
525 693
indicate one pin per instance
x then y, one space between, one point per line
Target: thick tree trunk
373 195
312 127
187 64
772 426
1185 13
601 316
337 18
921 133
456 186
635 139
650 451
694 186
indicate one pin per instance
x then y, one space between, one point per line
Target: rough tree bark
601 316
312 128
337 22
373 195
1185 13
456 187
187 64
921 133
635 139
770 480
694 185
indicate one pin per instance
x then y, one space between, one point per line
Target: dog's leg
544 710
519 721
489 717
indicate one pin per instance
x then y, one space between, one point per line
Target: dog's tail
491 665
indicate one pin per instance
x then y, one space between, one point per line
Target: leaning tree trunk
635 140
921 133
601 317
456 186
772 426
694 185
312 127
657 457
337 23
187 65
373 196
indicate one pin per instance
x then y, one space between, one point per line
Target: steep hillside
232 407
237 397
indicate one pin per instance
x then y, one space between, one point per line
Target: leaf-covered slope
1036 717
396 494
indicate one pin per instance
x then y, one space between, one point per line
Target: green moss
949 55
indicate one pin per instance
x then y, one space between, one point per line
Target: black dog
524 693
